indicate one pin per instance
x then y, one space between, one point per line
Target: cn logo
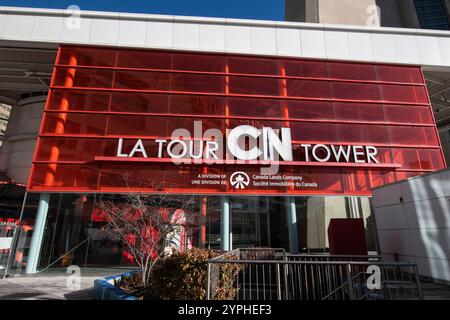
239 180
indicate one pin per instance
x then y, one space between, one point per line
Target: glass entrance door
258 222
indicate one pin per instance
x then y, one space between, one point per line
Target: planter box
104 289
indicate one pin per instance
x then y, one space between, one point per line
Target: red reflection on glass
405 94
352 91
353 71
255 86
252 66
408 114
142 59
310 110
308 89
305 69
358 112
87 78
399 74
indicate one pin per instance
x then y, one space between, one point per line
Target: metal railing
272 274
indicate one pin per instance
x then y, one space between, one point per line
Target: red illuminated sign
121 120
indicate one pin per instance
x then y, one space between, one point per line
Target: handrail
312 276
332 256
342 286
393 264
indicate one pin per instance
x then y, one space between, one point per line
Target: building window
432 14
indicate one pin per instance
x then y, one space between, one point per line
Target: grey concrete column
225 223
292 224
38 234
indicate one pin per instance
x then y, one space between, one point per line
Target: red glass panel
87 78
399 74
431 137
255 86
405 94
408 114
359 133
75 123
310 110
142 80
308 89
178 177
70 149
198 62
402 175
128 125
412 135
257 123
304 131
351 71
254 107
378 178
303 68
66 177
384 155
197 83
352 91
186 104
139 102
87 56
328 179
189 124
409 158
252 66
145 60
137 177
430 159
358 111
78 100
355 180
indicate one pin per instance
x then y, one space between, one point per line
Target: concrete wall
393 13
48 28
413 222
348 12
21 136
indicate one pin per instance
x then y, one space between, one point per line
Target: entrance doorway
258 222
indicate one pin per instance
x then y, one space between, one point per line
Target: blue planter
104 289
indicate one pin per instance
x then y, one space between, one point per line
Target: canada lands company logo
239 180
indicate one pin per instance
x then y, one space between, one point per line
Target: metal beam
435 80
23 86
7 100
27 49
442 104
439 91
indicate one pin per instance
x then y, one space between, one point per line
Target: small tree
148 225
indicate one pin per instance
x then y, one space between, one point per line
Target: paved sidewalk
52 285
434 291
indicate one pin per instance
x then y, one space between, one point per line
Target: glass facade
76 229
432 14
101 98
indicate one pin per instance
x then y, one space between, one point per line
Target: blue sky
246 9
